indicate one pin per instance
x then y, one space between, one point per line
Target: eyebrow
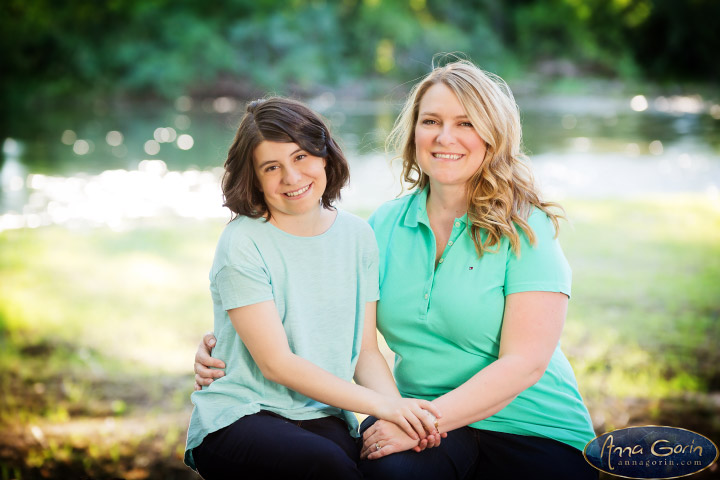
433 114
271 161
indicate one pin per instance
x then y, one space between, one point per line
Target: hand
414 416
204 375
431 441
384 438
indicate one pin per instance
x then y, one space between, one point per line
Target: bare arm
532 325
261 330
372 370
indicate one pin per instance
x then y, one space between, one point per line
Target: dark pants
469 453
268 446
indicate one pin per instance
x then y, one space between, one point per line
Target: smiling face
447 147
291 180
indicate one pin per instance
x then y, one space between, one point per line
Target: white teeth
298 192
447 156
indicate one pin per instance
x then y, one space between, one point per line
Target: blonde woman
474 290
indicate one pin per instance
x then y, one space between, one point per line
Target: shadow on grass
70 413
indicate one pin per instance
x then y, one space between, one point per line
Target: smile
448 156
298 192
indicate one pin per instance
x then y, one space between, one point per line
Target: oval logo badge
651 452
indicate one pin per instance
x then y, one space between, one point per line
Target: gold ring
377 447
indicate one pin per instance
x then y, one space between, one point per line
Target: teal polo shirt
444 323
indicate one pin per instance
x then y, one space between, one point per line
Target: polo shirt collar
417 210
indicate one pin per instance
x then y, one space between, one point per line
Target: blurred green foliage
57 51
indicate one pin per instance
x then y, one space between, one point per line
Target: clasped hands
384 438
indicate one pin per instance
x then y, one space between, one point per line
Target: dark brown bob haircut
283 120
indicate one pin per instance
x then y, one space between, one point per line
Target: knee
334 466
320 461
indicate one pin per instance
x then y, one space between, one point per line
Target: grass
643 320
98 331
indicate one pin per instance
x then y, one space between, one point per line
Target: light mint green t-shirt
320 286
444 323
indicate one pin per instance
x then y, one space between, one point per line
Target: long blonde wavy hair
501 194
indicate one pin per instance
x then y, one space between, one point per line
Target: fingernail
211 342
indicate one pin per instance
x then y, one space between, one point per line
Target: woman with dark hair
294 286
474 290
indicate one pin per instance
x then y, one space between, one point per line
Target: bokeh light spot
639 103
224 104
182 122
183 104
632 149
715 112
185 142
656 147
68 137
81 147
11 147
120 151
161 135
152 147
114 138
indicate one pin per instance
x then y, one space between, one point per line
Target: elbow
271 373
535 374
275 370
535 371
528 371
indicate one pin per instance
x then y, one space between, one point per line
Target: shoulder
390 211
242 229
352 221
238 239
355 227
541 224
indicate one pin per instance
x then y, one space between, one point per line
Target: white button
457 224
426 296
441 260
450 243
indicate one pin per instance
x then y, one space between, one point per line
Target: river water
117 168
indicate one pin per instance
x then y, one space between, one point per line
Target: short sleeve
539 267
244 278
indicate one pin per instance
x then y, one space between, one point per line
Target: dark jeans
469 453
268 446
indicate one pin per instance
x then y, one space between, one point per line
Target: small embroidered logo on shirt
470 268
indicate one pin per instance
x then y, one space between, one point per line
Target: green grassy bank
98 330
